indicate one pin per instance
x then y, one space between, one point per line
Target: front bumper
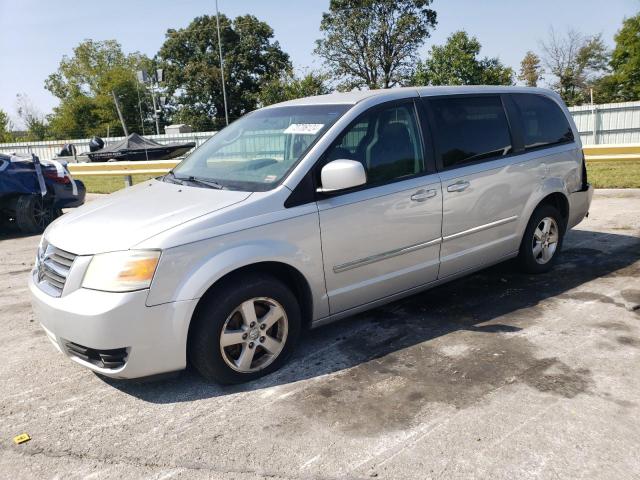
579 203
155 338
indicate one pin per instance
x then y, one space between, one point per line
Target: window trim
426 160
438 155
515 124
520 125
427 133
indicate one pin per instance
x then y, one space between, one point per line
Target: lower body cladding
116 334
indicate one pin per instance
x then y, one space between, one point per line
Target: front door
382 238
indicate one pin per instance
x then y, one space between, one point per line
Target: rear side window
543 122
470 129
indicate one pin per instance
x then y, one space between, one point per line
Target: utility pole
128 181
124 126
594 117
153 82
155 108
224 91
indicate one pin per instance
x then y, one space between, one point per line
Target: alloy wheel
254 334
40 213
545 240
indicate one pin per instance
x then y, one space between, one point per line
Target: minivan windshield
255 152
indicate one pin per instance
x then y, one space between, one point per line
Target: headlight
121 271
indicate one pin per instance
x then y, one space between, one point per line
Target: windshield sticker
270 178
304 128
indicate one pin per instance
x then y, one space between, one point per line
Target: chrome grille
52 268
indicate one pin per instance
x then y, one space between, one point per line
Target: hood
123 219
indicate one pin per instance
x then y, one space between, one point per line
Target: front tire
245 328
542 240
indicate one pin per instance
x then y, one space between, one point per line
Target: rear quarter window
543 122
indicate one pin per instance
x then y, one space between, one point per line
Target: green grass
109 184
614 173
602 174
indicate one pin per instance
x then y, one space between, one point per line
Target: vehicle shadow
11 233
496 301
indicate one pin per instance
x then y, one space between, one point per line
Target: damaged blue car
33 192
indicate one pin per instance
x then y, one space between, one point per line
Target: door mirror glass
342 174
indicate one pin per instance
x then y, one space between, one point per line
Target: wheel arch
558 200
528 259
286 273
554 192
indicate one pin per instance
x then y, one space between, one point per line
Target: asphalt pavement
498 375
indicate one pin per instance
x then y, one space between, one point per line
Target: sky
35 34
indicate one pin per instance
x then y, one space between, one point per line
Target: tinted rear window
470 129
543 122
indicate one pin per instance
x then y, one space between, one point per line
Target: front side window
470 129
543 122
386 141
255 152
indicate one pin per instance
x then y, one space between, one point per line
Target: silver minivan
305 212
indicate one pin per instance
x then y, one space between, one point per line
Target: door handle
422 195
458 186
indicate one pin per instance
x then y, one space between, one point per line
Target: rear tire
245 328
542 240
32 214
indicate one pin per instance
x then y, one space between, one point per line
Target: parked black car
33 193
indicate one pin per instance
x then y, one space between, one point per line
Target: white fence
608 123
48 149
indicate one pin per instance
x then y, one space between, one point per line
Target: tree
6 128
623 85
287 86
457 63
576 62
33 120
84 83
191 62
79 116
373 43
530 69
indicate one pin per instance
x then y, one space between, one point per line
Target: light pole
224 91
153 81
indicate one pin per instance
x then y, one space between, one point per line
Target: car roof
353 97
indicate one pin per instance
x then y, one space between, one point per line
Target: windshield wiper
172 178
202 181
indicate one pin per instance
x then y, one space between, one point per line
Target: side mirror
342 174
